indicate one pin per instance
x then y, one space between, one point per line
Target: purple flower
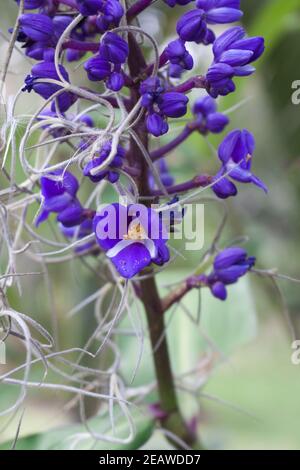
109 172
89 7
229 265
44 70
33 4
109 12
209 120
192 26
160 105
178 56
156 124
36 26
58 191
173 104
133 237
233 54
172 3
236 152
115 81
39 51
107 64
114 49
97 68
220 11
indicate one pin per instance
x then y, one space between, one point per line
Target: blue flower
97 68
33 4
229 266
160 105
58 189
179 57
192 26
109 12
36 26
133 237
89 7
114 49
233 54
207 117
111 15
44 70
236 153
107 64
109 173
172 3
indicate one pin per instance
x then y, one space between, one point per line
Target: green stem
173 422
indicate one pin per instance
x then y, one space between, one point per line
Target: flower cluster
107 65
160 105
192 26
59 189
110 173
179 57
109 12
229 265
233 54
155 93
207 117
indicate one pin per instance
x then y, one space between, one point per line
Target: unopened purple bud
192 26
114 11
219 291
36 26
173 104
230 256
97 68
72 215
114 49
87 120
216 122
172 3
156 125
32 4
89 7
115 82
224 188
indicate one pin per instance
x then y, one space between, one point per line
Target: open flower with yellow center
132 236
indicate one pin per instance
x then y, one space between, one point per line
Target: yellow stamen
135 232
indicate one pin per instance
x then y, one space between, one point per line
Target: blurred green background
252 399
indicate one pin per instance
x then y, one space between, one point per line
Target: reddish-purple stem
161 151
137 8
196 182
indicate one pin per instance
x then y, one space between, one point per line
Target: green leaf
274 20
228 324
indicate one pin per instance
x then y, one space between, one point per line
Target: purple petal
131 260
